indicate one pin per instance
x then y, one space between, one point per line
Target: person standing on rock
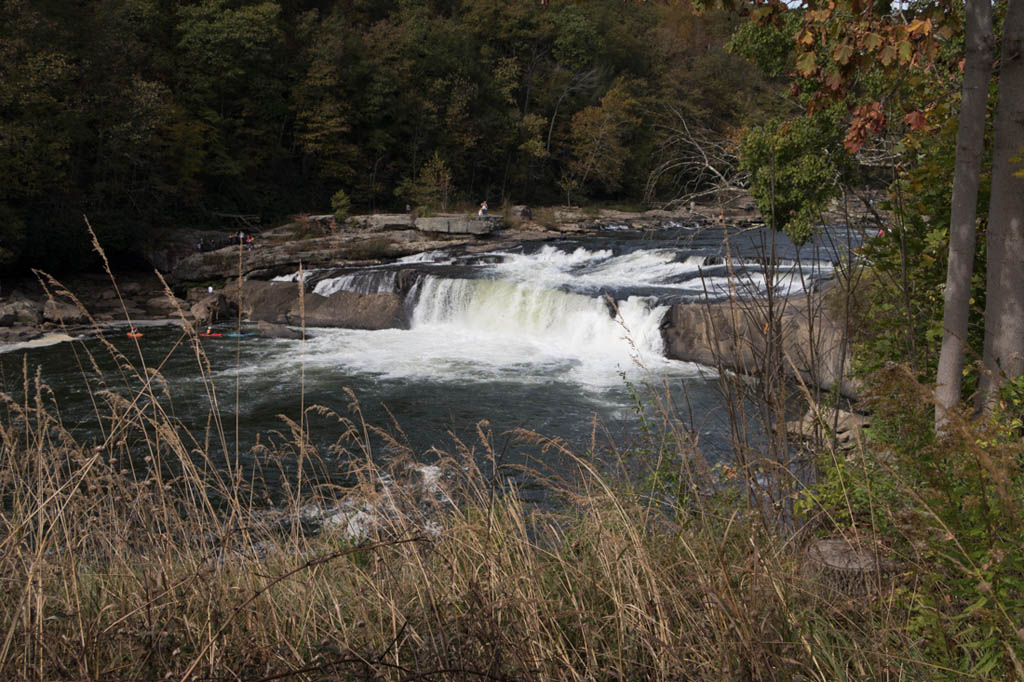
483 208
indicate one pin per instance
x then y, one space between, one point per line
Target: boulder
20 312
17 334
278 303
352 311
459 224
264 301
166 305
213 308
734 334
381 221
270 330
60 311
521 212
820 420
196 294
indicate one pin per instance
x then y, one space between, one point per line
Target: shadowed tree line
146 113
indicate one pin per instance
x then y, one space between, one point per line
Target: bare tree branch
695 161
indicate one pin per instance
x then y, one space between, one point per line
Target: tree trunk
970 143
1004 309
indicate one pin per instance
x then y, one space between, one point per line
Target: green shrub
341 205
952 507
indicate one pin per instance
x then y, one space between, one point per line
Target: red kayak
209 335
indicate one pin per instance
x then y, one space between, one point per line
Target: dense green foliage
147 112
797 166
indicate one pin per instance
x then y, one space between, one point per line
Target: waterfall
565 322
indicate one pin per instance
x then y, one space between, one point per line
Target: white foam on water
527 322
549 259
590 338
41 342
294 277
553 268
439 257
651 267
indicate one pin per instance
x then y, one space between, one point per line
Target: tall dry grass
137 558
118 573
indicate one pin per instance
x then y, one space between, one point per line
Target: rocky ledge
799 336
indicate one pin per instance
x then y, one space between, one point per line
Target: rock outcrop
459 224
269 330
278 303
820 421
735 334
19 313
353 311
62 312
212 308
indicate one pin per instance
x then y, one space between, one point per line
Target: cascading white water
367 282
564 322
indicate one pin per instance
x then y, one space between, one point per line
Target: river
554 337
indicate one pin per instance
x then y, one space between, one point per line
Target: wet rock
19 334
264 301
270 330
352 311
278 303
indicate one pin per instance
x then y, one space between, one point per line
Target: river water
554 337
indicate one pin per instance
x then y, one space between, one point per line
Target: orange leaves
916 120
868 119
919 28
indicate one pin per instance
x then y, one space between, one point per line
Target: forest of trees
144 113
